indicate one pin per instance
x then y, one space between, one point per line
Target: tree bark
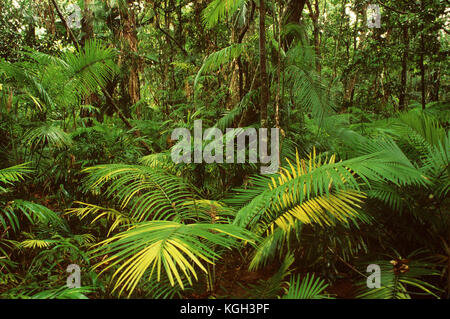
237 77
404 76
422 64
87 26
314 14
263 61
87 29
294 11
278 98
131 85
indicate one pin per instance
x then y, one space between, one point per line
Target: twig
347 264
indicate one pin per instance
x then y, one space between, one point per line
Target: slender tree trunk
87 26
422 72
235 81
263 62
404 76
314 14
50 22
352 79
436 85
422 64
237 77
87 29
278 98
131 85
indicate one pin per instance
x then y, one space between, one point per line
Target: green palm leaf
175 248
218 9
309 287
13 174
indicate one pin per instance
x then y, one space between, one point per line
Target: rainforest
94 206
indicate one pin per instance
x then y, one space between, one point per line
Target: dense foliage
91 90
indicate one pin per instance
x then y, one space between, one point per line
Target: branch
392 9
172 39
247 25
69 31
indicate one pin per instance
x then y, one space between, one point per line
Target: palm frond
215 60
317 191
165 245
145 191
158 160
306 180
401 278
437 166
30 79
418 123
34 213
64 293
275 285
218 9
13 174
118 218
48 134
91 67
310 287
308 90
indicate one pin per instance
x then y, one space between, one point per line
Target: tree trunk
262 63
422 65
422 72
87 29
131 85
404 76
237 77
314 14
50 22
278 98
294 11
86 23
434 97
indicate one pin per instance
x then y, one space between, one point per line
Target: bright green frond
177 249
